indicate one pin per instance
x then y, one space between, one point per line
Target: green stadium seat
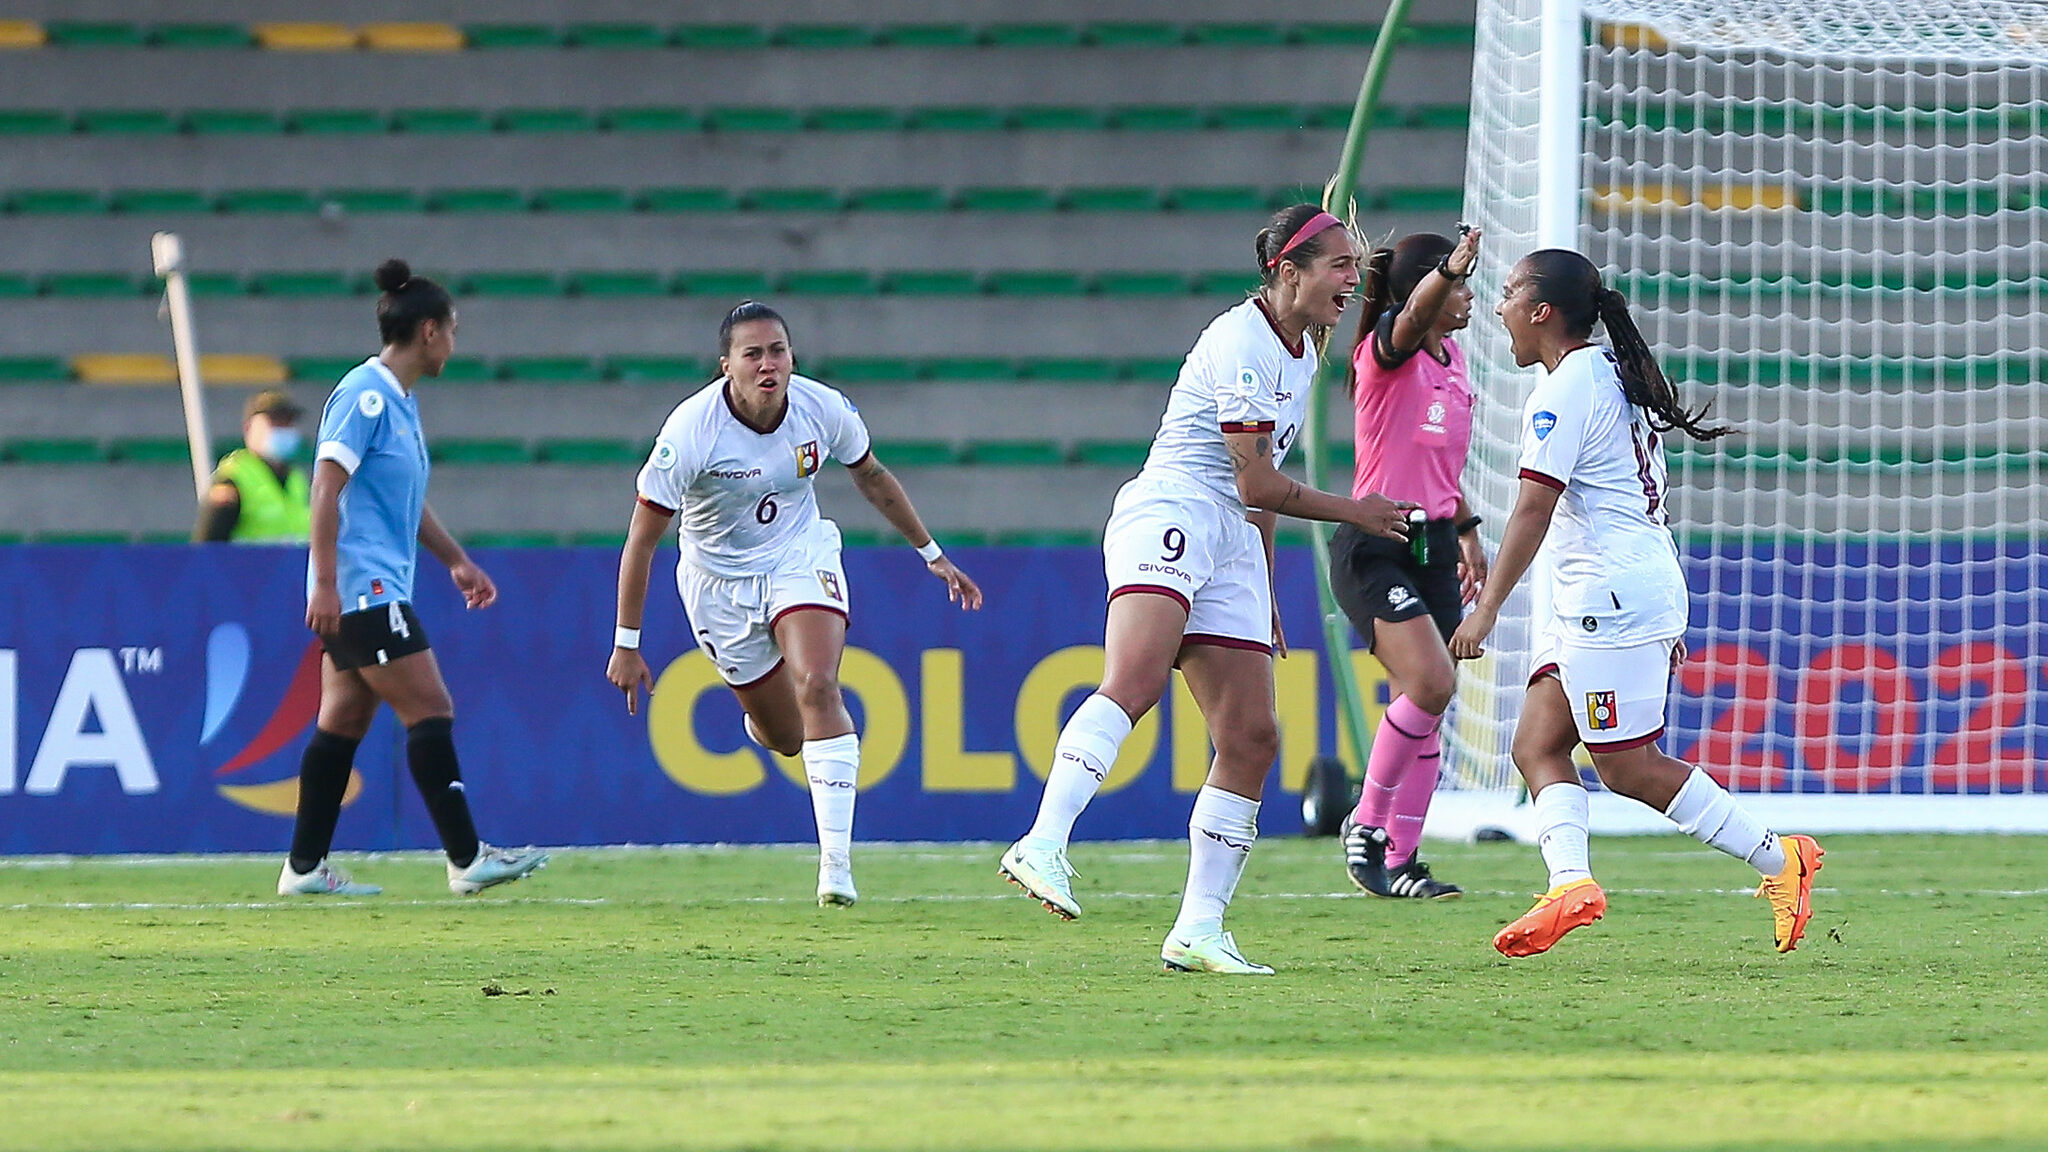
17 284
1150 371
322 369
1129 198
1322 35
790 200
821 282
1448 200
525 120
923 283
1055 118
476 200
730 282
912 199
1158 118
1005 200
1438 35
306 284
1261 117
509 284
885 369
583 200
90 284
150 450
1031 36
441 121
1134 35
1965 200
41 451
33 122
337 122
550 369
617 284
510 539
1113 453
865 538
373 199
1140 284
610 540
822 36
267 200
1231 283
127 121
686 200
214 284
1016 454
959 120
465 370
1439 117
1045 538
1037 283
917 454
56 201
970 368
721 37
1068 369
159 200
232 122
77 539
753 120
656 369
79 34
454 451
494 36
1217 199
652 120
855 120
929 36
33 369
1239 35
200 36
620 452
612 36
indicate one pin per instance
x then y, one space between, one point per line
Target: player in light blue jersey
370 516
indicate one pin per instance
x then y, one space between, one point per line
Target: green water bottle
1418 536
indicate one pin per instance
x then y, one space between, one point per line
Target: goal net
1829 219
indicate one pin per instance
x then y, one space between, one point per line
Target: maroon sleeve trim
663 509
1625 745
1546 480
864 458
1230 426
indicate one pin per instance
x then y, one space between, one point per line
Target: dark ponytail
1569 283
407 302
1387 279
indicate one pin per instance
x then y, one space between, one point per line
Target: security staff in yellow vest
259 496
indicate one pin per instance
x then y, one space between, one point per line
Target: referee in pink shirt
1412 401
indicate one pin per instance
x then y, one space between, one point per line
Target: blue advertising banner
156 699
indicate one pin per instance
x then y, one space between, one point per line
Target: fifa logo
806 459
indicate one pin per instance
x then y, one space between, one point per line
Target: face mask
284 443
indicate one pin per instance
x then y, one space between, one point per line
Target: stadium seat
1140 284
1134 35
929 36
1261 117
931 283
915 199
440 121
528 120
124 368
916 454
686 200
459 452
790 200
975 369
127 121
412 37
1045 538
1448 200
1217 199
550 369
1239 35
492 36
231 121
1036 283
509 284
327 370
21 34
753 120
959 120
33 122
464 370
625 454
616 284
657 369
215 284
373 200
720 37
266 200
17 284
150 450
822 36
33 370
608 540
510 539
336 122
78 34
305 37
1126 198
1016 454
1437 35
866 369
1149 371
1158 118
1031 36
818 282
1005 200
583 200
1056 118
855 120
200 36
90 284
242 370
468 200
726 282
651 120
1129 454
1328 35
305 284
1067 369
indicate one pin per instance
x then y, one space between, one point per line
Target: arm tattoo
1293 490
1263 448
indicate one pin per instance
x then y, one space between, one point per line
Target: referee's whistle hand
1379 516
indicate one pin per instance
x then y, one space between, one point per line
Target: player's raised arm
885 492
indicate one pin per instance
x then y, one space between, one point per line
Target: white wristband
628 638
931 552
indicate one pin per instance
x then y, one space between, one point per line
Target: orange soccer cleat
1791 890
1557 912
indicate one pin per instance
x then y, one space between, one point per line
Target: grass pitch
685 999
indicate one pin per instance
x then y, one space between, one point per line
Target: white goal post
1830 219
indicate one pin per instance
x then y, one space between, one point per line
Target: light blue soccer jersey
372 428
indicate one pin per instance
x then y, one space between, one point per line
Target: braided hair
1571 284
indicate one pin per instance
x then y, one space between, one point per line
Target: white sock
833 767
1221 832
1706 812
1087 747
1563 821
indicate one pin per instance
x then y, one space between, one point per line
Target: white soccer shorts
1617 695
733 617
1181 542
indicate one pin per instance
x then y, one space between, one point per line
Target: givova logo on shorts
1601 711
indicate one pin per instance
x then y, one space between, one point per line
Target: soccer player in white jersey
370 518
759 572
1591 510
1188 551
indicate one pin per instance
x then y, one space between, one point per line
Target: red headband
1317 224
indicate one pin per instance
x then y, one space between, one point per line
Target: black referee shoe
1413 881
1365 858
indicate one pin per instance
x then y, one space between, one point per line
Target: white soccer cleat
835 881
1044 875
324 880
494 866
1213 952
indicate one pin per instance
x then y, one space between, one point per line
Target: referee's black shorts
378 635
1374 578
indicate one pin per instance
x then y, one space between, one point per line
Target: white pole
1558 148
169 256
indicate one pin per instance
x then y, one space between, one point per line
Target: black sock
323 781
430 750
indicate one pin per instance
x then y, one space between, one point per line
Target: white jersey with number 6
744 494
1239 377
1613 567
